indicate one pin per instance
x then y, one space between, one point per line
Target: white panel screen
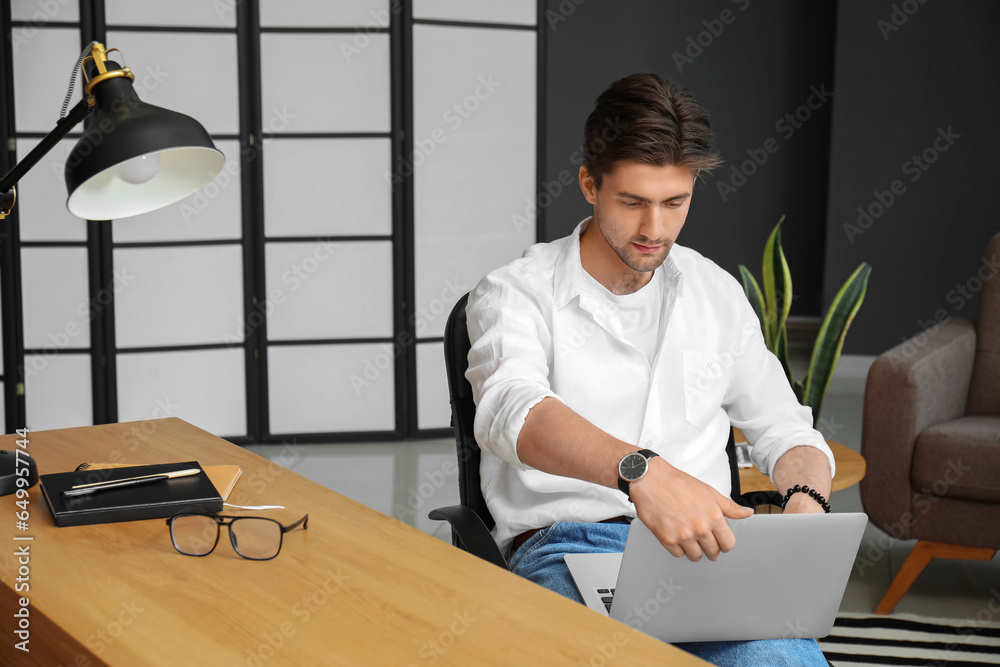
330 388
40 12
214 212
328 289
327 186
433 405
215 14
179 295
190 73
58 391
43 61
474 196
203 387
41 197
326 14
56 304
324 83
509 11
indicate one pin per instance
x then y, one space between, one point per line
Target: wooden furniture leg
923 553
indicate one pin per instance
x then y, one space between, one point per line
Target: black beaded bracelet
812 493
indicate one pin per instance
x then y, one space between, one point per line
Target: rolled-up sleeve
510 357
760 401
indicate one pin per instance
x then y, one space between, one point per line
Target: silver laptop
784 579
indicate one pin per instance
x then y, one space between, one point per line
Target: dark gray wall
898 92
760 66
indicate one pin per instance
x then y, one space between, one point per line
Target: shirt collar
568 279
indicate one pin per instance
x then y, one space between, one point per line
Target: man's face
639 209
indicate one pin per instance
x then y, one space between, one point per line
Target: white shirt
639 311
539 330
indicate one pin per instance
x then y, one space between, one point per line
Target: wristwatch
632 468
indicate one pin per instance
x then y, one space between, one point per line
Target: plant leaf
830 341
797 387
777 284
781 351
756 299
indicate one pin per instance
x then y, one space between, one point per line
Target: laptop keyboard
607 597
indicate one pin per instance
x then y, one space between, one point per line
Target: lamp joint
7 201
99 56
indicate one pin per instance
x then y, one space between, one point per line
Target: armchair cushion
959 459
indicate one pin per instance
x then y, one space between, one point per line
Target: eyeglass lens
254 538
194 535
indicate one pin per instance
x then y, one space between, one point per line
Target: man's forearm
556 440
686 515
803 465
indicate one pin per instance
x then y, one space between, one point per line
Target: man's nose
654 223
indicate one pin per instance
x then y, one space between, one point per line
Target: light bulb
140 169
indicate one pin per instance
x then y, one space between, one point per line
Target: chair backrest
463 412
984 393
463 415
734 471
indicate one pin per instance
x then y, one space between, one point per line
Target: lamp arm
62 128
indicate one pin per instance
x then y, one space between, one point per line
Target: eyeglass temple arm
304 522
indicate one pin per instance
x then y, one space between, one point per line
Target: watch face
632 467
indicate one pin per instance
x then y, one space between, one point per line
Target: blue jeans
540 559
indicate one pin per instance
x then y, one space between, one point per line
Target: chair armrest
755 499
921 382
470 533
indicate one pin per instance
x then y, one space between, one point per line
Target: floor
407 479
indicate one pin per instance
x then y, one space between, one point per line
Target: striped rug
859 640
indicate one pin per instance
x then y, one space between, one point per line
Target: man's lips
646 248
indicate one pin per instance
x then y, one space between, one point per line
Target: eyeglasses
253 538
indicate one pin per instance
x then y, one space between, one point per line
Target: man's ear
587 186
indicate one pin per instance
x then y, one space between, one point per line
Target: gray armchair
931 438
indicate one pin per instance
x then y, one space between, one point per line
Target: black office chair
471 522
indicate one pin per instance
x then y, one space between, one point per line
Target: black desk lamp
133 157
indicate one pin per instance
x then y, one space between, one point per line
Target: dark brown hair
648 119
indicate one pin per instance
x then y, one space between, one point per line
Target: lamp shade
135 157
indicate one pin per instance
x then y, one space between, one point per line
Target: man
614 341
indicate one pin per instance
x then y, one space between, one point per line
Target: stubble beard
631 257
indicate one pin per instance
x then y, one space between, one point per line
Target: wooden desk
356 588
851 468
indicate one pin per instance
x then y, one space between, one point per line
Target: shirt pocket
705 379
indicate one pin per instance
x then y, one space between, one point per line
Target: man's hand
687 516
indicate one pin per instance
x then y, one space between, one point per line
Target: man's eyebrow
647 200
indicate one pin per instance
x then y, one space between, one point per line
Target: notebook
155 500
224 477
784 579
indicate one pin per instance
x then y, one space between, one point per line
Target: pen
84 489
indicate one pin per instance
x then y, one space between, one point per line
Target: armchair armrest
921 382
470 532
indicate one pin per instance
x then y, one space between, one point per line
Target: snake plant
772 305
